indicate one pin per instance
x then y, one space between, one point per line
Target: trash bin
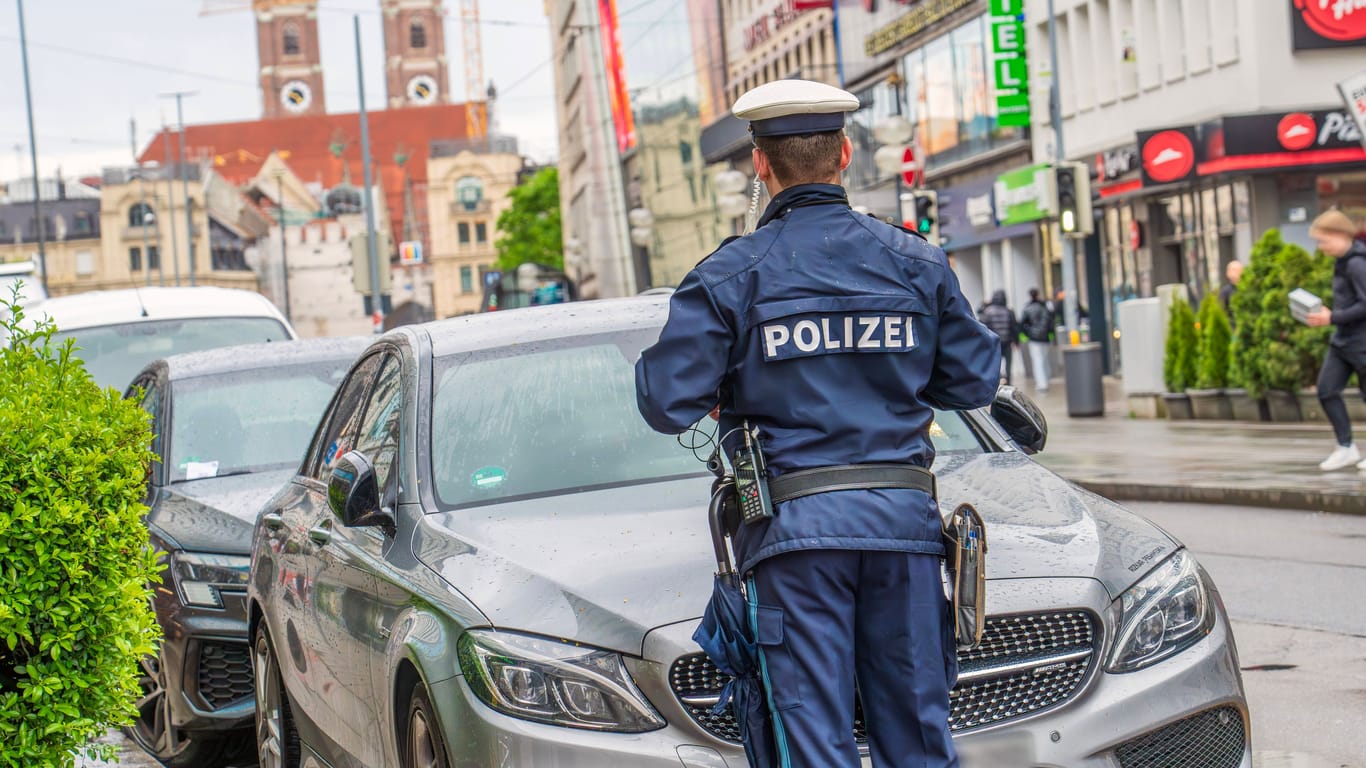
1084 370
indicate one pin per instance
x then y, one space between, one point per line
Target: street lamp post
33 155
1069 267
284 248
185 179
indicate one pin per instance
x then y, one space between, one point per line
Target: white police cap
794 107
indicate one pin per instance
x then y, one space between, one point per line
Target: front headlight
552 682
1162 615
202 577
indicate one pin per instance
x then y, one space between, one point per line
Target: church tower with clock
415 53
291 66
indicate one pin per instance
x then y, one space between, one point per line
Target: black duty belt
850 477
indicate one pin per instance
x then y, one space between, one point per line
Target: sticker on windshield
195 470
488 478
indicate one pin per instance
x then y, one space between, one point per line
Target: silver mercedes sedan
487 559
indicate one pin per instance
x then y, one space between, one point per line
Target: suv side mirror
353 493
1021 418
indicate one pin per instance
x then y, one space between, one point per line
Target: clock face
422 89
296 96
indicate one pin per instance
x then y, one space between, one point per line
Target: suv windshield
247 421
113 354
559 417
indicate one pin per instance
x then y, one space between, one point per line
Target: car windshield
252 420
559 417
113 354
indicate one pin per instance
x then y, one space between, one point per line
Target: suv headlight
1162 615
552 682
201 577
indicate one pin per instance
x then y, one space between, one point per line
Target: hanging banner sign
1353 91
1009 67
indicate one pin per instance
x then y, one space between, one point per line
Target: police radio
751 480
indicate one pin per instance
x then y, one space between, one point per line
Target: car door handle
321 534
273 521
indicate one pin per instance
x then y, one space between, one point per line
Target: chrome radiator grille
1212 739
1025 663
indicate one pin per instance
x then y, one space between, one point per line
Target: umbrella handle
715 514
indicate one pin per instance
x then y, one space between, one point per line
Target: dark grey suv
228 426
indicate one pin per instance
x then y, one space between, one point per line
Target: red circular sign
1296 131
1341 21
910 168
1168 156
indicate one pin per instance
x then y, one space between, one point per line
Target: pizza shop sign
1328 23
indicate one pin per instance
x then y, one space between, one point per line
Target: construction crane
215 7
476 115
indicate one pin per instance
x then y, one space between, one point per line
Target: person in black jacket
998 317
1036 321
1334 233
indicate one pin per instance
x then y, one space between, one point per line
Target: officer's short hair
803 159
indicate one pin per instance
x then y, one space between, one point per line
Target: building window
481 232
153 257
4 230
135 259
85 263
417 34
83 223
463 232
291 41
139 214
33 228
466 279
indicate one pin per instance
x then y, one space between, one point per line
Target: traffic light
1073 205
925 214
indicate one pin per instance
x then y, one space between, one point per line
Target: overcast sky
97 63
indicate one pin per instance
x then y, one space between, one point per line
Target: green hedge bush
1272 350
1178 363
1212 355
75 564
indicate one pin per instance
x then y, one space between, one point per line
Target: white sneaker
1362 466
1342 456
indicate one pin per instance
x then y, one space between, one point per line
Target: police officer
833 334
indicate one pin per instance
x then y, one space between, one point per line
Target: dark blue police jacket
834 334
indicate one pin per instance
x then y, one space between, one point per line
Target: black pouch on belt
965 545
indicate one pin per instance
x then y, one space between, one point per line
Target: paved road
1293 584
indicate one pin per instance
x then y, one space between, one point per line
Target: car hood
214 514
605 567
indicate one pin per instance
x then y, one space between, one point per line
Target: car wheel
425 747
277 740
173 747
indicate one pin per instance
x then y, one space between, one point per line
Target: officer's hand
1319 318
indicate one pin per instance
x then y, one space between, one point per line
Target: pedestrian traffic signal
1072 183
925 218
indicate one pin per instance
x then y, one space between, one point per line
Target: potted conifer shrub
1211 355
1178 363
1242 404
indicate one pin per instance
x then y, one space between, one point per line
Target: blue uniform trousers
823 619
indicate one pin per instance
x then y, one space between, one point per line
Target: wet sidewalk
1270 465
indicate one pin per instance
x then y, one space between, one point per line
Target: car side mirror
1021 418
353 493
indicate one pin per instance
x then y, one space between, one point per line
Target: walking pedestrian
1037 324
1335 234
1000 319
831 336
1233 273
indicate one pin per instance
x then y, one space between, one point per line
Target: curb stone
1278 498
